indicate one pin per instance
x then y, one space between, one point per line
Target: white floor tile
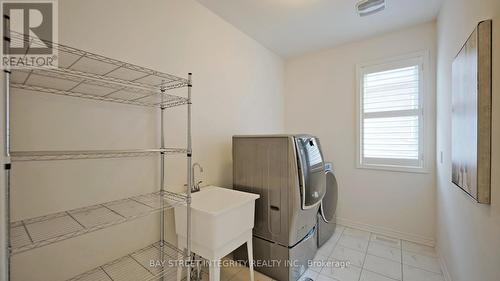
383 266
354 257
318 262
244 275
372 276
383 251
418 248
333 240
327 248
348 273
354 242
324 278
357 233
309 274
227 272
422 261
411 273
339 229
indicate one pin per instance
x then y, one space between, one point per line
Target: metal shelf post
7 167
162 178
189 177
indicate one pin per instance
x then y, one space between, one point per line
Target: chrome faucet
196 185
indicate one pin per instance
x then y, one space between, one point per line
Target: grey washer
326 213
287 171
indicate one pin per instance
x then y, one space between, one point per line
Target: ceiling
294 27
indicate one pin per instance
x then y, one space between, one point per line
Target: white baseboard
429 241
443 263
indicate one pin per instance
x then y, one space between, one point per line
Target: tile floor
365 256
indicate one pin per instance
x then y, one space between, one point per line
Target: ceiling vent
368 7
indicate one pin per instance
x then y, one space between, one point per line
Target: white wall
468 233
320 99
238 89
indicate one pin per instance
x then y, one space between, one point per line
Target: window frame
422 60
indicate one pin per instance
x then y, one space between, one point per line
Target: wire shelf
87 75
41 231
89 154
136 266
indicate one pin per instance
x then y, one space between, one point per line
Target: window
391 120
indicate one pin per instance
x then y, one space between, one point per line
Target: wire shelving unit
86 75
40 231
17 156
135 266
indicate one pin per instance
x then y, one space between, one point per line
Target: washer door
329 202
311 171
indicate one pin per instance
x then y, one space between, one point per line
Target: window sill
391 168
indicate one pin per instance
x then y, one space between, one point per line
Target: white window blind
391 115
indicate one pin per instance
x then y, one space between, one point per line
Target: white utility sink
221 220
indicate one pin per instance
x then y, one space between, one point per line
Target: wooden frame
471 114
